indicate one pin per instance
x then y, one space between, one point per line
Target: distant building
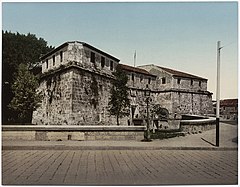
77 78
228 109
181 92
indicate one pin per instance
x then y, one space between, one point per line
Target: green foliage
18 48
159 112
94 88
119 101
25 99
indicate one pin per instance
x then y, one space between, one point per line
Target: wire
228 44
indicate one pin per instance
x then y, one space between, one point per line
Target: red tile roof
136 70
229 102
180 74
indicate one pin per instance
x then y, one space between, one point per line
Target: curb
63 147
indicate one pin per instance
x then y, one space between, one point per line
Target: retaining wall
77 133
197 126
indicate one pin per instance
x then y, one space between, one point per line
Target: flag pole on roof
135 56
134 64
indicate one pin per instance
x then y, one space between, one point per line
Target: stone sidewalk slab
201 141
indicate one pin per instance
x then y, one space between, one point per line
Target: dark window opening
47 63
200 83
92 57
191 82
111 65
53 60
141 78
132 77
61 56
178 81
149 80
102 62
163 80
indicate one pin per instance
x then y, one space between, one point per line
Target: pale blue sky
182 36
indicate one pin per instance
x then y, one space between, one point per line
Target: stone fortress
76 81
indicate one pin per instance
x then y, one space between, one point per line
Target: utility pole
218 93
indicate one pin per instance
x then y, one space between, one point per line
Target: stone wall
140 81
197 126
190 84
91 94
64 133
76 89
56 106
191 103
78 54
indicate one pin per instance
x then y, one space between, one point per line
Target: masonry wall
91 93
164 81
58 60
77 54
74 96
56 106
140 81
190 84
191 103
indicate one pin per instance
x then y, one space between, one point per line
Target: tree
18 48
25 99
119 101
159 112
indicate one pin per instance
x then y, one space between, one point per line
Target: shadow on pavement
208 142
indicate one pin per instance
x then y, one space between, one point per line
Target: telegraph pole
218 93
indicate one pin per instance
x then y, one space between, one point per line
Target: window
163 80
132 77
92 57
191 82
178 81
47 63
149 80
141 78
200 83
53 60
111 65
102 62
61 56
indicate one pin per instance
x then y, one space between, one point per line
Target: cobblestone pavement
118 167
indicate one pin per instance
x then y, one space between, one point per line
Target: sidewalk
201 141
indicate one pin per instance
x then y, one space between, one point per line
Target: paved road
118 167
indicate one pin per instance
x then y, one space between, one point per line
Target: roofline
197 78
147 73
194 76
53 51
84 44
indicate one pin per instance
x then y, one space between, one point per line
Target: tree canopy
119 101
25 99
18 49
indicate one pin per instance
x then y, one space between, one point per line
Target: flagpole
134 64
135 59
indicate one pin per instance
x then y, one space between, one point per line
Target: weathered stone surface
18 135
76 90
77 133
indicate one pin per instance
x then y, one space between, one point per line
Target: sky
178 35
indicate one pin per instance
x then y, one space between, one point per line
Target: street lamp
147 132
218 93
